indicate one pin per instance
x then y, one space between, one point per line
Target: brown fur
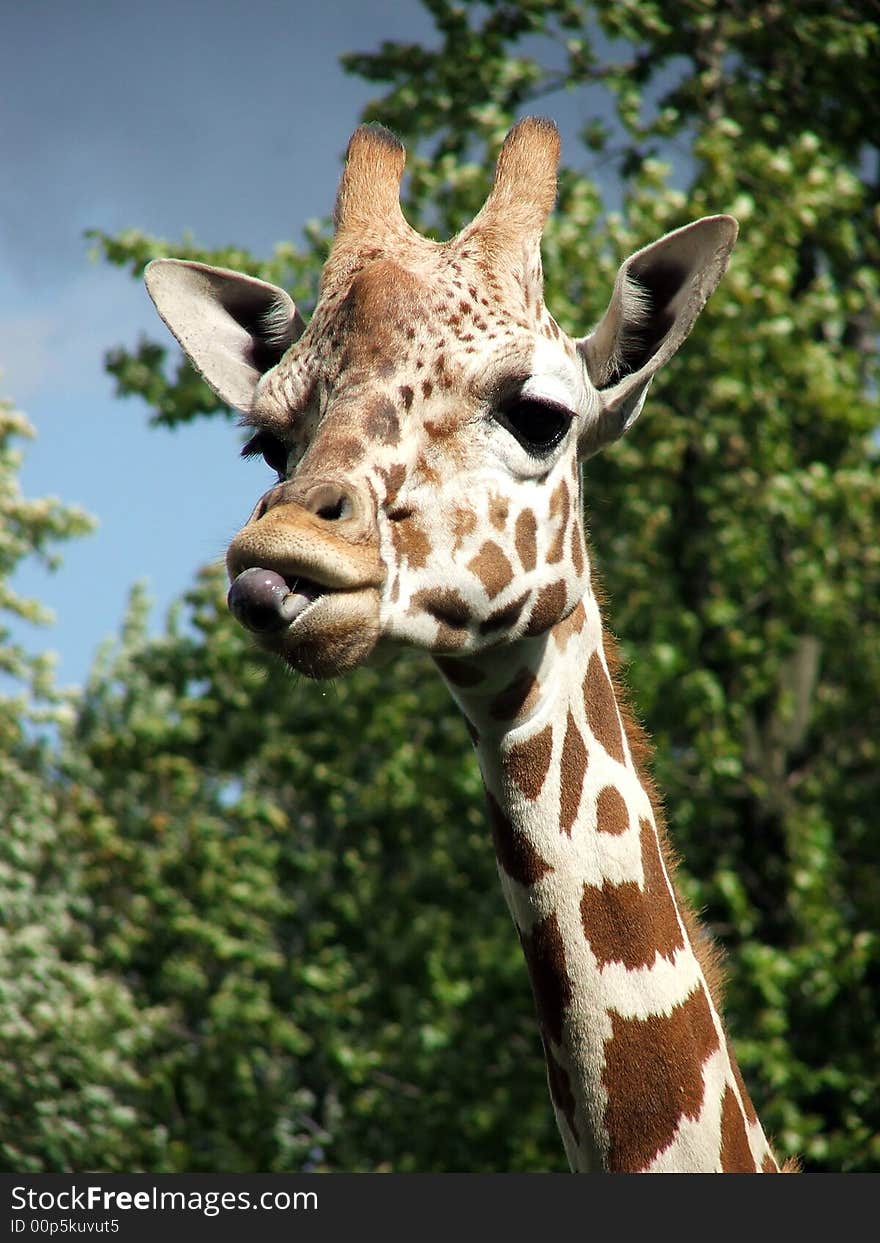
574 765
381 423
612 813
640 748
525 539
517 698
527 763
560 1090
449 611
368 200
411 542
629 923
653 1073
524 190
459 672
492 568
498 510
559 509
601 709
577 547
573 624
462 522
549 607
515 853
505 618
736 1155
708 954
545 954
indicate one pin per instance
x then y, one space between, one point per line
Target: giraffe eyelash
272 450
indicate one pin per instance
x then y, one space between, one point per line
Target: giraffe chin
333 635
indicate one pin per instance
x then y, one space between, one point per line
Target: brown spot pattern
573 767
382 423
515 853
444 604
558 511
601 709
449 638
525 538
560 1090
442 429
577 548
411 542
736 1155
492 569
653 1072
459 672
505 618
517 698
462 522
527 763
393 479
341 451
549 607
631 925
498 510
612 814
573 624
545 958
426 471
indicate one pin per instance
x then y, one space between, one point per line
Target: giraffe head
426 427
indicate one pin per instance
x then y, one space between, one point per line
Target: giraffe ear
233 328
658 294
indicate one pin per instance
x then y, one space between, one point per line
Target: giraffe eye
270 448
539 426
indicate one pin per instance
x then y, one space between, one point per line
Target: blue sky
225 119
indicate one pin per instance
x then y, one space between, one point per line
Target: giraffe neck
640 1072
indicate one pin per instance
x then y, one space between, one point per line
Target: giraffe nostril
332 511
330 502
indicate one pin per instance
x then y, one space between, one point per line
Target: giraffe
427 428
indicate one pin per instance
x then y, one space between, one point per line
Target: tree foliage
284 893
71 1032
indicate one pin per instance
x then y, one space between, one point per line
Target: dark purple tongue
261 599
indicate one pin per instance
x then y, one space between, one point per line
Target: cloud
53 349
25 353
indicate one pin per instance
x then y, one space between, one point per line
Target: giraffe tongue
262 600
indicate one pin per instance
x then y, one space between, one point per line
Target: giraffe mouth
319 631
264 601
321 619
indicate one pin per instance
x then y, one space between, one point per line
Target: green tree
327 932
299 876
70 1032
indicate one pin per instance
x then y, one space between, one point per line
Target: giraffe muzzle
317 532
305 574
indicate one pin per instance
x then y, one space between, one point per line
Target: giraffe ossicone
427 427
